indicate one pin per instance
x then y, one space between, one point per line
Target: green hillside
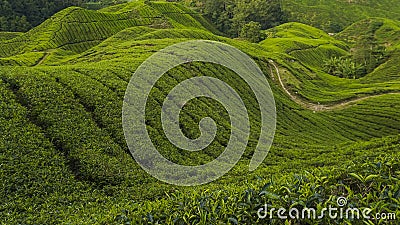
64 157
381 33
308 55
335 15
76 30
8 35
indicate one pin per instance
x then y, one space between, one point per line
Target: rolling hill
75 30
64 157
336 15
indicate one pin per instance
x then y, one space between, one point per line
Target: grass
64 157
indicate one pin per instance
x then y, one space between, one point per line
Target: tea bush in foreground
372 184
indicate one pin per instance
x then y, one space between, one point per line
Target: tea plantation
64 158
336 15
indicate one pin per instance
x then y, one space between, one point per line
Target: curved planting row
93 154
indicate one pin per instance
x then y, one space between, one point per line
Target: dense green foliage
366 184
251 31
63 156
230 16
342 67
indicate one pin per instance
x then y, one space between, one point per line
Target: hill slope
335 15
76 29
64 158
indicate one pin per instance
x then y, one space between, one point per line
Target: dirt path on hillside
319 107
43 58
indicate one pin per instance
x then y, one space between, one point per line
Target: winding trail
319 107
47 54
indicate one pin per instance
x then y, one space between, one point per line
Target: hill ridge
63 29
